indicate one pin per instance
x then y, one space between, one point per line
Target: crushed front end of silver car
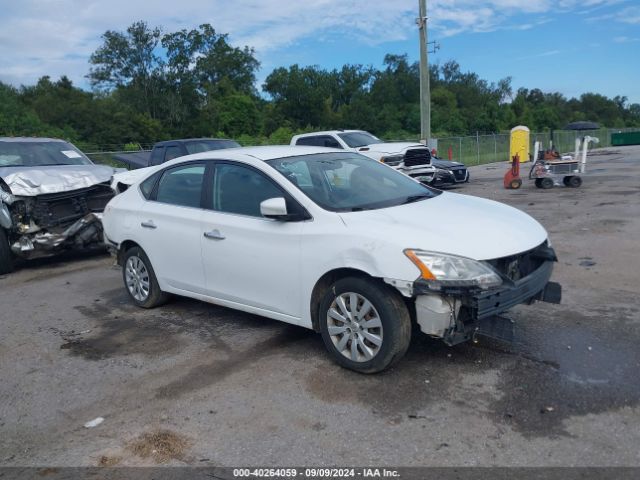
47 208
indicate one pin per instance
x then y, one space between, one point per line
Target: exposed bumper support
82 233
495 301
482 307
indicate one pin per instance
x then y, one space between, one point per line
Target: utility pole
425 95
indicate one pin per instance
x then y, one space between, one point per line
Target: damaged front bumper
457 314
83 233
44 225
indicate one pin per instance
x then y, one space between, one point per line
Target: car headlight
392 160
442 270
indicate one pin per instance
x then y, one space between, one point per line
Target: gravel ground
192 383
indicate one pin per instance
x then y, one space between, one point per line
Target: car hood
392 147
33 181
462 225
445 163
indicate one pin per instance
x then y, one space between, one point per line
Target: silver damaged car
51 199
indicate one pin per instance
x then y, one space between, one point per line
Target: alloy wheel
354 327
137 278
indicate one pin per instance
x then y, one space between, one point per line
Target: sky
566 46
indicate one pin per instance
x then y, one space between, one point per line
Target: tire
6 256
390 324
538 183
140 280
546 183
515 184
565 181
574 182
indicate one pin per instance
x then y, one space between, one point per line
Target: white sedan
328 240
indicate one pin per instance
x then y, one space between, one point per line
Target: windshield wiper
415 198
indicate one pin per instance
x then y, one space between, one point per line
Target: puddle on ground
125 329
563 365
289 340
591 366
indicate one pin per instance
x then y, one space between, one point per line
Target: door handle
148 224
214 235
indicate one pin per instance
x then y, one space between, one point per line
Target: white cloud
547 53
625 39
55 37
629 15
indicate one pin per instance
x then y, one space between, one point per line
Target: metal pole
478 145
460 148
425 96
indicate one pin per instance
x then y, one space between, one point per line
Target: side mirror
275 208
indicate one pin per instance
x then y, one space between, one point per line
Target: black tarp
134 159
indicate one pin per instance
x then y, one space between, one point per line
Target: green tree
130 61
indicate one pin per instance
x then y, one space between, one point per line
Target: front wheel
6 256
140 279
365 325
546 183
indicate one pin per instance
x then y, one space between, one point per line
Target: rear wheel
140 279
516 183
574 182
365 325
6 256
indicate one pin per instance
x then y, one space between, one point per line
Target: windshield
40 154
358 139
348 182
208 145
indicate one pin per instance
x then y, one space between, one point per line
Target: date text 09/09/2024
316 472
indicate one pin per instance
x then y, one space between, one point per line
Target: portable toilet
519 143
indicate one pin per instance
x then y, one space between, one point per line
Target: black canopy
582 126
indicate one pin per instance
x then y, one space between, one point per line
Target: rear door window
328 141
181 186
310 141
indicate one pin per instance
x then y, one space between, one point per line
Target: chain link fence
470 150
105 154
480 149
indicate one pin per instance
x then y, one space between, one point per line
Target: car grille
416 157
460 174
523 264
62 209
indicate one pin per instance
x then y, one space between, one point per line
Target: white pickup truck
412 159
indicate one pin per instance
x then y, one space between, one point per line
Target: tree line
148 85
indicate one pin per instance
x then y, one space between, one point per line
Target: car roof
30 139
329 132
263 153
204 139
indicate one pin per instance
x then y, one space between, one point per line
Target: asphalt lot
192 383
